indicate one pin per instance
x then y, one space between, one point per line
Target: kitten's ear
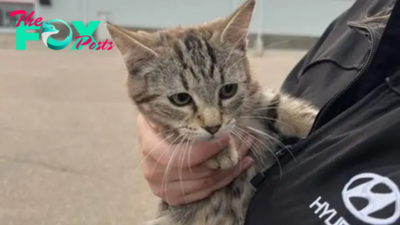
236 26
135 47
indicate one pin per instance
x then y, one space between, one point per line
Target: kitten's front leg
226 158
294 116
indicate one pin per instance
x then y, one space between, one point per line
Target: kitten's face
194 81
197 87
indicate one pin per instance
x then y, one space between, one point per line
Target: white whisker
190 153
167 169
270 119
262 143
151 151
180 165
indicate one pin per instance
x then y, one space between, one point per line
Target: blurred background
68 151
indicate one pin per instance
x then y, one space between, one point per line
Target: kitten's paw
225 159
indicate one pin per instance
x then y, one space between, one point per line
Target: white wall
66 10
284 17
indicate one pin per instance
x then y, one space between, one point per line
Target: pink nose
212 129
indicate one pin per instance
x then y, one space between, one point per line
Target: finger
145 127
199 152
245 146
154 172
207 182
205 192
178 189
150 139
244 165
152 143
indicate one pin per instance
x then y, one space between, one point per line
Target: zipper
259 178
295 148
352 82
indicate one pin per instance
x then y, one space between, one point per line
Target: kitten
196 82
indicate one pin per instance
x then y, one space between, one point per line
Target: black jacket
348 170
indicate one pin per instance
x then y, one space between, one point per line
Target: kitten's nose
212 129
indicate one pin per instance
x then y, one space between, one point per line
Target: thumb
146 127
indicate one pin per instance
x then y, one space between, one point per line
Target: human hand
176 173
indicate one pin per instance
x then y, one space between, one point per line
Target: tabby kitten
196 82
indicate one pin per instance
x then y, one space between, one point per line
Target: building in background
293 23
7 23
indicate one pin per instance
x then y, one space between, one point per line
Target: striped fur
200 61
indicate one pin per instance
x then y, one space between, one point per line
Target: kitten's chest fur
227 206
278 115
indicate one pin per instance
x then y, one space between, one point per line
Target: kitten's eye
180 99
228 91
